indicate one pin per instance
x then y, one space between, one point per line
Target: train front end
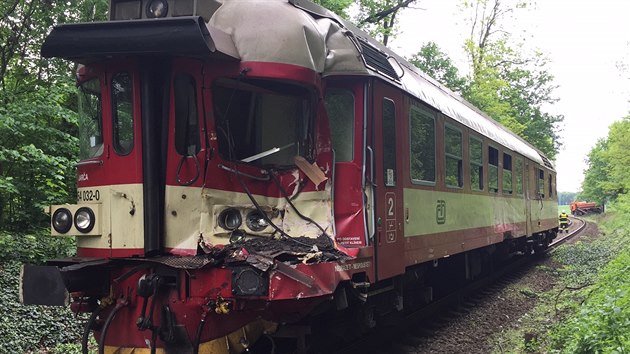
204 210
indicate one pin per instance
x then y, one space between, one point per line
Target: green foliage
30 328
513 90
40 327
511 87
37 146
34 248
583 260
377 17
37 110
565 198
607 177
376 20
588 309
601 323
439 66
564 208
339 7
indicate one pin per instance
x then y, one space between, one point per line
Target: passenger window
518 171
186 118
493 169
476 163
389 142
422 145
507 173
122 113
453 152
340 109
541 183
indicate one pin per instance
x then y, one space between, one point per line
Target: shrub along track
467 321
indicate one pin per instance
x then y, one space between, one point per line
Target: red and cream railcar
247 162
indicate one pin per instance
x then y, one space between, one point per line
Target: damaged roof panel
313 37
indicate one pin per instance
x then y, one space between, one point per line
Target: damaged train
250 167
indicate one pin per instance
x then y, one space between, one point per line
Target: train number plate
89 195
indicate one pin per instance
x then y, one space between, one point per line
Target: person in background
564 222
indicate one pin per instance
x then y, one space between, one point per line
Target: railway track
430 319
573 230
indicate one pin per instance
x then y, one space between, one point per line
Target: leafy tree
340 7
607 177
377 17
37 110
505 84
596 174
439 66
510 87
565 198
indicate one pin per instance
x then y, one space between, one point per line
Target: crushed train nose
42 285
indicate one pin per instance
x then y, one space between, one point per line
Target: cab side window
389 142
122 113
340 109
186 121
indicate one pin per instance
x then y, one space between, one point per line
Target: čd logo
440 212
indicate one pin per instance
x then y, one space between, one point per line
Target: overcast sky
586 40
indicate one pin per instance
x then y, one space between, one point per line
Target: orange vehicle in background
583 208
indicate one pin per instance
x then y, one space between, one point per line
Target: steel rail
451 300
568 236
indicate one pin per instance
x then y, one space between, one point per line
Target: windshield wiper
266 153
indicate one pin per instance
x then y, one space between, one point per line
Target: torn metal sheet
312 171
295 274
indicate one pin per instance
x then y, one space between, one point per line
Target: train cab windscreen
264 123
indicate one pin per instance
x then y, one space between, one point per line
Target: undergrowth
33 329
601 320
588 310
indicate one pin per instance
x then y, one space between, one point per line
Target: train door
185 151
344 106
528 199
110 140
387 176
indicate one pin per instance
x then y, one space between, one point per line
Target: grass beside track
588 310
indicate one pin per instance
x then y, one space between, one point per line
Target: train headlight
84 220
230 219
248 281
256 221
62 220
157 8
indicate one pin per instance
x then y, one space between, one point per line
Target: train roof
302 33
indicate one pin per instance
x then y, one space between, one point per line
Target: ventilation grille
546 161
377 60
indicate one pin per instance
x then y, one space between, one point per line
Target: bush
29 328
601 323
34 248
32 328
